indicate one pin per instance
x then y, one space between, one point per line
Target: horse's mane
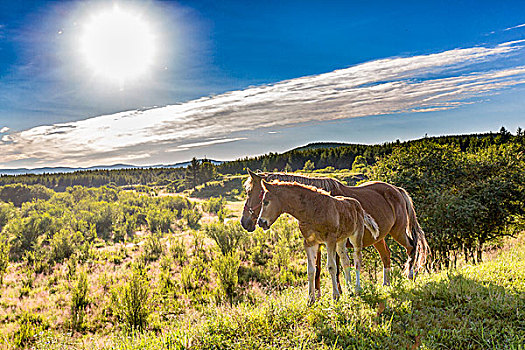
325 183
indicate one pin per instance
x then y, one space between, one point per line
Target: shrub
64 243
178 251
227 236
4 257
29 325
153 247
227 267
214 205
79 301
192 218
132 301
160 219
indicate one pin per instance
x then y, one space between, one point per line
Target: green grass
473 307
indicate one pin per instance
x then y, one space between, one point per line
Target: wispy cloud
4 130
423 83
515 27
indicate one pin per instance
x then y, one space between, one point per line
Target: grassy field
472 307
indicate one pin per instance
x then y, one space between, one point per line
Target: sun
118 44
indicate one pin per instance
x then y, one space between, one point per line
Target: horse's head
271 205
252 207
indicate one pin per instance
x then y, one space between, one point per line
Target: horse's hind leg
402 238
384 252
318 273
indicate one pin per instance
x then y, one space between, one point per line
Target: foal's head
271 205
252 207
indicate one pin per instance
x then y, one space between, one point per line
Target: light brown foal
323 219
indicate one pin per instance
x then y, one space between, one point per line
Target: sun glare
118 45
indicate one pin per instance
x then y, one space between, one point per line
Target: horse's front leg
311 252
332 267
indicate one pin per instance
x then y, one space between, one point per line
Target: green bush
160 219
192 218
79 301
29 326
131 301
227 268
214 205
153 247
178 251
64 243
4 257
227 236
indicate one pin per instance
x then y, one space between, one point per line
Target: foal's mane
297 185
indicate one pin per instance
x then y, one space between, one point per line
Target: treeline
311 157
97 178
343 157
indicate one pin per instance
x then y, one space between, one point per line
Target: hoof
311 301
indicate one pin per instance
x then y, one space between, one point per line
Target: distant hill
57 170
321 145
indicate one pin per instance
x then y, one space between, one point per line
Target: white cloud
4 130
515 27
422 83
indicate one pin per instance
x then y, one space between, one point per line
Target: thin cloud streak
435 82
515 27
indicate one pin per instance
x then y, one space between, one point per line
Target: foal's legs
357 242
311 253
384 252
318 273
332 268
345 260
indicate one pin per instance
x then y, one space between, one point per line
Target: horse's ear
254 176
266 185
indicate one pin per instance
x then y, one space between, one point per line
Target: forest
156 258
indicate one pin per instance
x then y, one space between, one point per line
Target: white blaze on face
118 45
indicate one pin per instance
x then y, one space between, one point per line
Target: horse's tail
371 224
417 236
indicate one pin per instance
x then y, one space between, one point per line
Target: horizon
339 144
195 79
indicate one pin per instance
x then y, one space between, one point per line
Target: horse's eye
266 202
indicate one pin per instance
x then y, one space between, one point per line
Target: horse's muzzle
247 224
263 223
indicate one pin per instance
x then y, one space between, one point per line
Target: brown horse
390 206
322 218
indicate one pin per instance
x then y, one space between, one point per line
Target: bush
64 243
4 257
192 218
160 219
153 247
132 301
79 301
178 251
29 325
214 205
227 236
227 268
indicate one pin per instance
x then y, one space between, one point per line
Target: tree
192 173
309 165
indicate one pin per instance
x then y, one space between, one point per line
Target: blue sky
236 78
